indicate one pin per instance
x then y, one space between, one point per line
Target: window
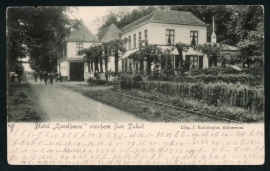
145 35
134 41
129 42
194 34
79 46
194 62
170 37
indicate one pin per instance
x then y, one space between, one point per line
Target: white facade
72 56
156 34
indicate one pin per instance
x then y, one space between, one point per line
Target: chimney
213 36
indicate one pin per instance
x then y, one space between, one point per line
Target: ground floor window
194 62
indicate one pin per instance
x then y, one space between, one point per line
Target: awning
174 52
128 53
236 67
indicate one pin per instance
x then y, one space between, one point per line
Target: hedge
214 71
243 79
233 95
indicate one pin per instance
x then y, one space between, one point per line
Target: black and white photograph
121 67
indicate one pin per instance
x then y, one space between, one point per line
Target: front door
76 71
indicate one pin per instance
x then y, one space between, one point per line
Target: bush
243 79
214 71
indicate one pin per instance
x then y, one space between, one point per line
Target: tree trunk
92 69
106 59
149 62
96 66
116 61
141 67
88 65
101 64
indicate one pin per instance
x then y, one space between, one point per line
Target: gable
165 16
82 33
109 33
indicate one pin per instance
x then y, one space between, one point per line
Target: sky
92 16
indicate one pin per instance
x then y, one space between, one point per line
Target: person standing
35 75
45 77
60 77
41 76
56 76
51 77
19 78
106 75
110 73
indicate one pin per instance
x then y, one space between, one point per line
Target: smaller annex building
70 62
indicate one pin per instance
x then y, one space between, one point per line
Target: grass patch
22 106
145 110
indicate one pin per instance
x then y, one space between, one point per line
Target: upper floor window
145 35
79 46
194 37
129 42
170 37
140 36
134 40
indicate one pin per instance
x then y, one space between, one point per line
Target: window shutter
200 62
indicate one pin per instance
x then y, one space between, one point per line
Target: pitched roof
107 30
165 16
82 33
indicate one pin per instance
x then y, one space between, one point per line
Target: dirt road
62 104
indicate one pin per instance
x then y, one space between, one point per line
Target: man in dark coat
45 77
35 75
41 76
106 75
51 77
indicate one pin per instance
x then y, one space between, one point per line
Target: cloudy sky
92 16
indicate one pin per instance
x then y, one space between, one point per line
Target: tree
117 48
247 25
149 53
42 30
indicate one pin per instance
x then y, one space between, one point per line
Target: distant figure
106 75
19 78
13 78
35 75
45 77
51 77
41 76
56 76
60 77
97 75
16 78
110 73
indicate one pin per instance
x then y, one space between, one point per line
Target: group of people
48 77
16 78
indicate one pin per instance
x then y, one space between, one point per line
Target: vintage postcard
135 85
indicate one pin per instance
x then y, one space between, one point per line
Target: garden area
221 94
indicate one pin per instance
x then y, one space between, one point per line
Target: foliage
93 54
39 33
243 79
247 26
117 48
122 17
